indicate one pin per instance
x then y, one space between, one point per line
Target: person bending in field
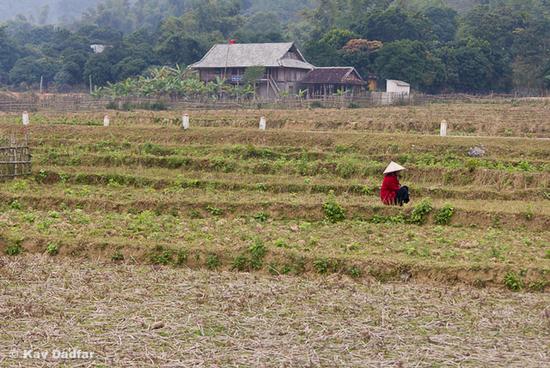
392 193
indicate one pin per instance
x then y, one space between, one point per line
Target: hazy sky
48 11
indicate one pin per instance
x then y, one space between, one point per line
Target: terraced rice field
297 206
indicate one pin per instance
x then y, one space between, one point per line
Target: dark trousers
402 196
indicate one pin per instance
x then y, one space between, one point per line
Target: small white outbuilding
397 86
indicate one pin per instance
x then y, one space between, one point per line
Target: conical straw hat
393 167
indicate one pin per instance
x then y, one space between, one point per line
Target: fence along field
199 240
15 158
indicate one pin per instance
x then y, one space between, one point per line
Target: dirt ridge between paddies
277 261
311 139
482 177
276 210
192 180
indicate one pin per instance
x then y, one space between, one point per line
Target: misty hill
67 11
45 11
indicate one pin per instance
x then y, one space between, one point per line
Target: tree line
495 46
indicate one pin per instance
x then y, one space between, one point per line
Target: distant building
284 66
330 80
397 86
98 49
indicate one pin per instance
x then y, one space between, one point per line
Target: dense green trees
490 45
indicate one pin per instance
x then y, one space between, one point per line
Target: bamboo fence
66 103
15 159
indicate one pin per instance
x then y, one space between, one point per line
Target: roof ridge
253 43
334 67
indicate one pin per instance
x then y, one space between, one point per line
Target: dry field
143 316
227 246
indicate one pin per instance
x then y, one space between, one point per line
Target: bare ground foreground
151 316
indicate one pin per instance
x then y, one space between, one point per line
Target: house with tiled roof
283 65
331 80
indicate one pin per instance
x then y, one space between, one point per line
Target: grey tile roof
250 54
334 75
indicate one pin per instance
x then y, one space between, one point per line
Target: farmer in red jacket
392 193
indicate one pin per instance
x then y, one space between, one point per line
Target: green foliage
444 214
322 265
253 73
14 249
420 212
257 253
252 259
261 217
181 257
117 256
513 281
214 211
528 213
497 46
281 243
15 205
161 256
355 272
212 261
397 219
52 249
346 168
333 211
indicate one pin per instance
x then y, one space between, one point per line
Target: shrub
117 256
444 214
525 166
261 187
214 211
15 205
14 249
52 249
257 253
321 265
212 261
529 214
161 256
280 243
366 190
472 164
333 211
355 272
346 168
513 281
261 217
378 219
420 213
241 263
194 214
181 257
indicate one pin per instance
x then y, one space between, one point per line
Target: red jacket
388 192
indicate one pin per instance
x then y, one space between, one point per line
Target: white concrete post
263 123
106 121
26 120
185 122
444 126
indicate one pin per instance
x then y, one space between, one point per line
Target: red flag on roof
232 42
